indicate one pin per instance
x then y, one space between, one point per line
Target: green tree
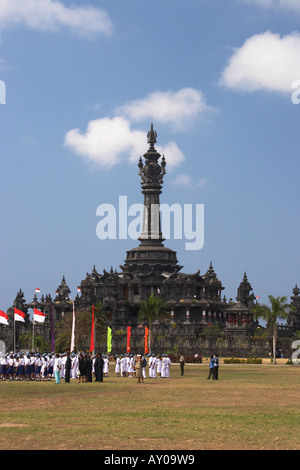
271 314
150 310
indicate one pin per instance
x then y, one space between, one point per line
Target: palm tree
150 310
279 309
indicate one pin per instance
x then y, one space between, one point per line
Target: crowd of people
81 366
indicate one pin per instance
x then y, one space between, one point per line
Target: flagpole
14 333
73 329
32 347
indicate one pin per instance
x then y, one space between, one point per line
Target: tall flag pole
52 330
18 316
73 329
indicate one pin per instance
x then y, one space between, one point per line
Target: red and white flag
37 290
3 318
19 316
38 316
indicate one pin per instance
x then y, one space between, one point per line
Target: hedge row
250 360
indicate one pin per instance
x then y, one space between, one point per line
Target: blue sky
84 80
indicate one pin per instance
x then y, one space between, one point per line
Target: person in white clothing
123 366
74 363
163 366
63 361
57 368
117 367
158 366
105 366
154 362
168 365
150 363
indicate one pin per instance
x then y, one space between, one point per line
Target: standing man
154 361
68 366
211 367
57 368
89 369
181 363
216 368
150 366
99 363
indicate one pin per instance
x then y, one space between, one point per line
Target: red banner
146 340
92 344
128 338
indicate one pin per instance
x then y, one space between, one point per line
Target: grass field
250 407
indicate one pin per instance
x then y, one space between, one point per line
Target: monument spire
151 173
151 253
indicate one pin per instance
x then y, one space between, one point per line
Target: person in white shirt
123 366
158 366
163 366
21 367
131 366
4 364
150 363
168 365
38 367
57 368
51 366
154 362
32 366
117 368
74 371
27 367
105 366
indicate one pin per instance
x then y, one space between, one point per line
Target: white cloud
178 108
187 181
266 61
50 15
107 141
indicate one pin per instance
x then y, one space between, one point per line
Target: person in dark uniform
89 368
99 363
181 362
68 366
81 365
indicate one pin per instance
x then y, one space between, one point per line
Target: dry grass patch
250 407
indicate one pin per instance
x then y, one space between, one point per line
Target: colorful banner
92 344
146 340
109 338
128 338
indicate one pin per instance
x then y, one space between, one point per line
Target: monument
199 315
